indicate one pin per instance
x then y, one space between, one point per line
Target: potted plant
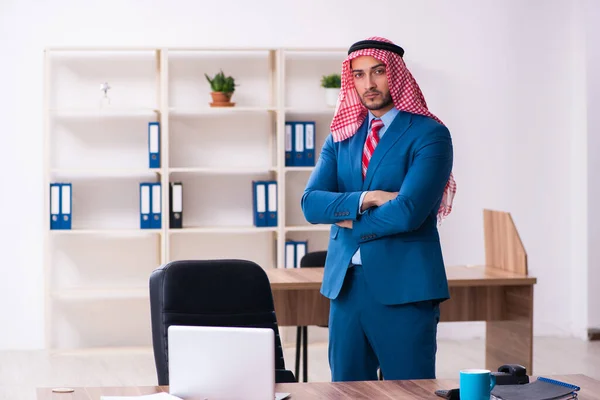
332 84
222 89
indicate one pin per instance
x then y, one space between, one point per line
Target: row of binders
61 197
294 251
151 205
300 144
264 203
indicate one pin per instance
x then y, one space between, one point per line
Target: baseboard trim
593 334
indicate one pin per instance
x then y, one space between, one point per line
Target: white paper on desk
156 396
167 396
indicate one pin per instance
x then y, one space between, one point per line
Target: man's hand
377 198
374 198
345 224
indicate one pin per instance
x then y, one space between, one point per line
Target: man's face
370 81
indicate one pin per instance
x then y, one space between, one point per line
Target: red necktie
370 144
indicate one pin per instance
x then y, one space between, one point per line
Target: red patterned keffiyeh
406 95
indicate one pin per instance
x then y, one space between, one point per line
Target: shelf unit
104 262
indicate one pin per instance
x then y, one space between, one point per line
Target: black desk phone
509 374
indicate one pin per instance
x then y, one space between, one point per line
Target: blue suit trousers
366 334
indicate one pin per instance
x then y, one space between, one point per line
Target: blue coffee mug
476 384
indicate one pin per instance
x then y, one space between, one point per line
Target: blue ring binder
567 385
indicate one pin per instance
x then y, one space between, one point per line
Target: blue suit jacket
399 242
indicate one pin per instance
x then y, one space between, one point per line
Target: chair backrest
234 293
313 259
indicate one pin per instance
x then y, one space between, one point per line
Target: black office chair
234 293
310 260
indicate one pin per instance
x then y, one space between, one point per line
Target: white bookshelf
224 229
298 169
221 110
103 172
224 171
102 294
107 232
96 274
308 228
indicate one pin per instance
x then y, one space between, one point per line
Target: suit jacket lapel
394 132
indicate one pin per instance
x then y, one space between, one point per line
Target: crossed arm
373 198
387 213
321 201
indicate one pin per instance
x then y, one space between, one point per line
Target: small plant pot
221 99
331 96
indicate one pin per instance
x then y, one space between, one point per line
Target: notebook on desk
540 389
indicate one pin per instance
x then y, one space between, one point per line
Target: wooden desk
413 390
500 293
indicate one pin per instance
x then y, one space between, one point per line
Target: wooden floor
22 371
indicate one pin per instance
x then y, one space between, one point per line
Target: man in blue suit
384 181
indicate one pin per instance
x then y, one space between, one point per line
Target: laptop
222 363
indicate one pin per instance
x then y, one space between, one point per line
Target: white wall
578 186
590 22
500 74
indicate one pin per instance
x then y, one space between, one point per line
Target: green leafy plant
221 83
331 81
